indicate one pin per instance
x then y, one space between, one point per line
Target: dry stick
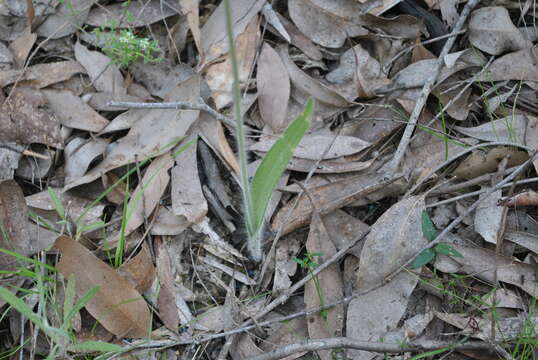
344 342
460 218
428 86
178 105
478 192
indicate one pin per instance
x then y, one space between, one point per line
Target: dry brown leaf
327 198
73 112
449 11
291 332
509 129
395 237
309 85
273 89
480 163
213 134
482 263
524 198
116 305
139 270
492 31
312 147
404 26
24 119
518 65
21 46
446 93
191 9
327 287
105 76
358 75
300 40
144 13
79 154
15 224
67 19
327 23
488 216
160 78
420 52
148 193
343 229
219 76
166 301
187 197
507 328
213 33
285 267
42 75
166 223
151 135
245 348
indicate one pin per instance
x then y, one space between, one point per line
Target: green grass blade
273 165
96 346
57 203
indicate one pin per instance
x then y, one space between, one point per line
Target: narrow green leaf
430 353
423 258
447 249
97 346
57 203
26 259
273 165
428 228
21 307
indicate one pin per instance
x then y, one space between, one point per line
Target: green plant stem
254 241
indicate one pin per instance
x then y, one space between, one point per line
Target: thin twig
379 347
478 192
178 105
427 88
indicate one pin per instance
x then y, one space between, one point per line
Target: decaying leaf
24 119
488 216
42 75
139 270
117 305
518 65
508 129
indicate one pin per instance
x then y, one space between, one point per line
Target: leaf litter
128 225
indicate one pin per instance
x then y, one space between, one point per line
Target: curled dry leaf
492 31
312 147
139 270
191 9
273 89
327 23
394 238
166 223
143 13
116 305
25 120
79 154
525 198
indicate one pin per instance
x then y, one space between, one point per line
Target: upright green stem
254 241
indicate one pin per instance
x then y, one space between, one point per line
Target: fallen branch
379 347
427 88
178 105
